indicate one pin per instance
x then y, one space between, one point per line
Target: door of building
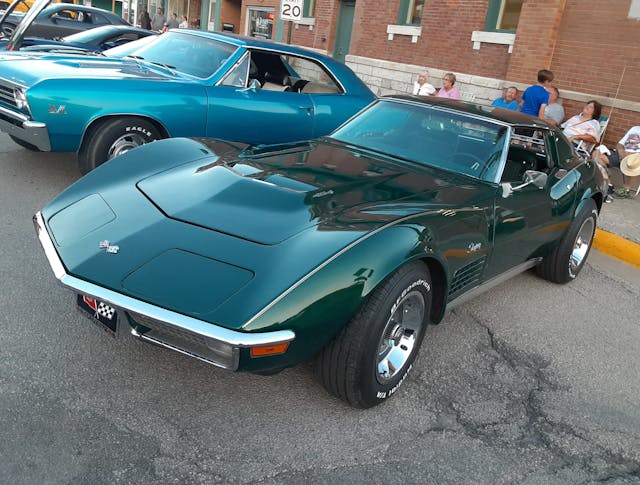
211 22
343 29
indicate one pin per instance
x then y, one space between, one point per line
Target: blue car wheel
113 137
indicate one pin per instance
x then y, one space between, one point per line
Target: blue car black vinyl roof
499 114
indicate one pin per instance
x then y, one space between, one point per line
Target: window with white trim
309 8
503 15
410 12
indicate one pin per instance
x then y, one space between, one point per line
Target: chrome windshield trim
120 301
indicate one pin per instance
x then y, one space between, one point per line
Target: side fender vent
466 276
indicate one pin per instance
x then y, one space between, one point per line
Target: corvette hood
27 70
271 195
217 232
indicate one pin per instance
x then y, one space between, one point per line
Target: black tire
7 29
24 144
354 365
568 258
114 137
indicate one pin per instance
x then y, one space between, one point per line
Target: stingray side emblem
473 247
110 248
60 110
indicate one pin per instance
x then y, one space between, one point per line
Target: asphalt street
530 383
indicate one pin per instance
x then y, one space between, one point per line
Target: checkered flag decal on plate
105 310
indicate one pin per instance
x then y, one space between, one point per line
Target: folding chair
467 96
585 148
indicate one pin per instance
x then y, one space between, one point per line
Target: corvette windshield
429 135
186 53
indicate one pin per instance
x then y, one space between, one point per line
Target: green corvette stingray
341 249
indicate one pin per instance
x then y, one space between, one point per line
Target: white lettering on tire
390 392
422 282
427 287
139 129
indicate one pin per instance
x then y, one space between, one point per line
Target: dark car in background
93 40
50 21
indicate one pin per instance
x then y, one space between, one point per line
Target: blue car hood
28 70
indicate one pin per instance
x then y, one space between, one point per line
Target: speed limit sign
291 9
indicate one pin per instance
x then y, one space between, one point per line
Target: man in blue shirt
536 98
508 101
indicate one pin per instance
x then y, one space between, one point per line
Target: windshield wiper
166 66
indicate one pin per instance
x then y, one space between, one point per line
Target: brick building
593 47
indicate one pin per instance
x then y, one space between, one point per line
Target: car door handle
308 108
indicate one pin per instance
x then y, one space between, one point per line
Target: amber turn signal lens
265 350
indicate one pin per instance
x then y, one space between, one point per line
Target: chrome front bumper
203 340
33 132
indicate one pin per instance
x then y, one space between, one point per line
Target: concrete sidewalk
618 235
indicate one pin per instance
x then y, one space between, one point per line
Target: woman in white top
422 87
584 126
184 24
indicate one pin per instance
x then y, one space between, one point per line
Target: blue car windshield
429 135
187 53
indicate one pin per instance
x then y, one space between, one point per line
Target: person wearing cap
627 157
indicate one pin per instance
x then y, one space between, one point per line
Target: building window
260 22
309 8
410 12
503 15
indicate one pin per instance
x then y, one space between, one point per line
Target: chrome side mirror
254 85
531 177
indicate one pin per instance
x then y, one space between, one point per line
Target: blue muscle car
183 83
341 249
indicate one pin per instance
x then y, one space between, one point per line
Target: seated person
508 99
554 112
584 126
422 87
627 157
447 90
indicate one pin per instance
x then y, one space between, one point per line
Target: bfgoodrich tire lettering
372 356
114 137
568 258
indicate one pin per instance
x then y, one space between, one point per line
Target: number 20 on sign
291 9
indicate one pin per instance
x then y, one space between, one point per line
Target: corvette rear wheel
368 361
114 137
568 258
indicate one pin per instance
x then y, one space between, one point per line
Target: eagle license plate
100 313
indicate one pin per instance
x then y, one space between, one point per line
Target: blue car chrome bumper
20 126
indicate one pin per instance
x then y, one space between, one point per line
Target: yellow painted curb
617 247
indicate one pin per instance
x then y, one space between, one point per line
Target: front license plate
100 313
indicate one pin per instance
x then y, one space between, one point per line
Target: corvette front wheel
371 357
113 137
568 258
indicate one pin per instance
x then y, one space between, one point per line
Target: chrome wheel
125 143
581 246
399 336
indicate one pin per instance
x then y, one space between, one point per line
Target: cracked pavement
529 383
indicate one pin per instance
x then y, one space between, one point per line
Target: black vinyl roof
499 114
